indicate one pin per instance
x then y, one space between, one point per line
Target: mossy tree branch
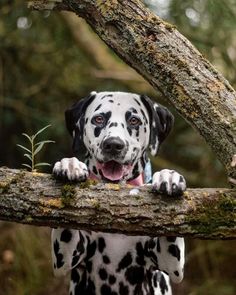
169 62
38 199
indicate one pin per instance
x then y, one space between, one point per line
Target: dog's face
116 129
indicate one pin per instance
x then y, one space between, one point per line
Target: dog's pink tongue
112 170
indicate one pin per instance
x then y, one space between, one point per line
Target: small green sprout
33 149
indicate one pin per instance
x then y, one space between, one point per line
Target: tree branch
169 62
38 199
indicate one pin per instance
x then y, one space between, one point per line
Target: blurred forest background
47 62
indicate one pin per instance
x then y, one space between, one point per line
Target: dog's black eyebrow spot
98 107
110 100
133 110
113 124
137 101
107 95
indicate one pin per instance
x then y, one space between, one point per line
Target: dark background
47 62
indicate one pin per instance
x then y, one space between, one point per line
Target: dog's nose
113 145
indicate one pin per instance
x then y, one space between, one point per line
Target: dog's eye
133 121
99 120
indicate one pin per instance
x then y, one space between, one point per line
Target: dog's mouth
113 170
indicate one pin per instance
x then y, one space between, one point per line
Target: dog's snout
113 145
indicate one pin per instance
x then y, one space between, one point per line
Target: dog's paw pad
168 182
70 169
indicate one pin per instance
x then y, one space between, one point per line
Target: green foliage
43 70
34 148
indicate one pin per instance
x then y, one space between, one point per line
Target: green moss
4 187
227 204
18 177
87 183
95 204
213 215
67 194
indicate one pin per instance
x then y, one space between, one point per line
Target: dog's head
116 128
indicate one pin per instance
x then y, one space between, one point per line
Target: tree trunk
169 62
38 199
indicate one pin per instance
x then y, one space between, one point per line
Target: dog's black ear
74 118
161 123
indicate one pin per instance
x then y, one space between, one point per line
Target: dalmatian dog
115 130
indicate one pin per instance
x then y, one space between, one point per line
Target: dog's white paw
168 182
70 169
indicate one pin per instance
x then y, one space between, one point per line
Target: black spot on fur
113 124
66 236
151 244
106 259
91 248
105 290
155 279
176 273
89 266
163 285
137 102
75 275
123 126
129 130
95 170
103 274
123 289
174 250
112 279
136 171
125 261
80 245
134 275
97 131
90 287
138 290
140 254
98 107
81 287
181 179
107 95
144 116
58 255
110 100
101 244
171 239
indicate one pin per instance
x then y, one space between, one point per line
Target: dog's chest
117 263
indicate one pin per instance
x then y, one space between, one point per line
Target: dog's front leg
69 248
70 169
170 250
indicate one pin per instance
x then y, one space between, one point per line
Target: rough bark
169 62
38 199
